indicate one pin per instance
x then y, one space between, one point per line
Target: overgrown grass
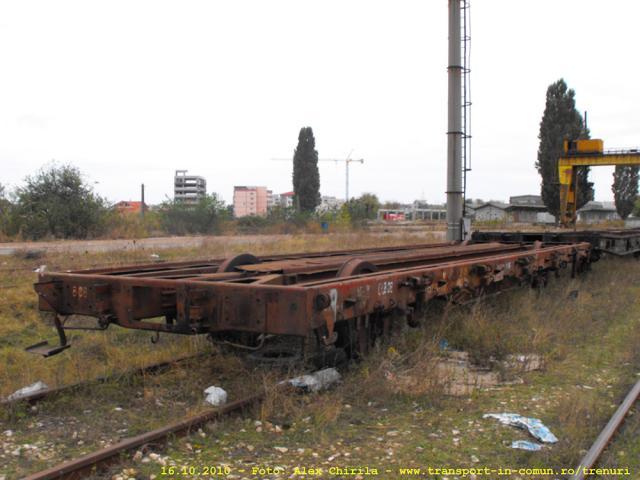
588 341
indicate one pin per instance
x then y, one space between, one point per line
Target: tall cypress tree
625 189
306 177
560 121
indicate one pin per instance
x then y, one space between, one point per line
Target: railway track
99 460
49 393
607 434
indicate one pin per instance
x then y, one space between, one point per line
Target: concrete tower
454 130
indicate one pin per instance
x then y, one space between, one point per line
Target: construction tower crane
585 153
347 161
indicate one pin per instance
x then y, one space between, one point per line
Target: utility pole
454 131
142 201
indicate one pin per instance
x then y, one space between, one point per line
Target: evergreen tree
306 177
560 121
625 189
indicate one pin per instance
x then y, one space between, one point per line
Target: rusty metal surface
402 289
380 259
296 295
157 266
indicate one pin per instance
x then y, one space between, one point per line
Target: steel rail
607 433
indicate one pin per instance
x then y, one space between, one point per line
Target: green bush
363 208
57 202
128 225
204 217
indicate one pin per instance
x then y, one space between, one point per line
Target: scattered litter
215 396
317 381
28 390
457 375
524 363
155 256
526 445
40 269
533 425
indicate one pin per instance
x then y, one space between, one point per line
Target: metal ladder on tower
466 97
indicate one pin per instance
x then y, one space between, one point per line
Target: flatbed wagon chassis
317 307
624 242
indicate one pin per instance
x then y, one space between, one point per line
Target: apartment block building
251 201
188 188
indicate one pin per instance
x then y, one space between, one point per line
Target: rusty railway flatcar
333 300
617 242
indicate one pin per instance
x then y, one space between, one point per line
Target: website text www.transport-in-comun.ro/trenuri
505 471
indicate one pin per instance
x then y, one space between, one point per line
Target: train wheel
356 266
230 264
355 334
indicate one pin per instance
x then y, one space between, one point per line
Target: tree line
59 203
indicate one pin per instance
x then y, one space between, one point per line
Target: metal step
44 349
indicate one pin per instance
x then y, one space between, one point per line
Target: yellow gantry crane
585 153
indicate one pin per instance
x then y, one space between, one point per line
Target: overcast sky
130 91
